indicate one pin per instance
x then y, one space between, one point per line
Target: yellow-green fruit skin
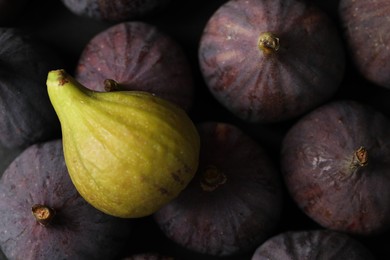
128 153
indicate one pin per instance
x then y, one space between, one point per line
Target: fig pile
224 129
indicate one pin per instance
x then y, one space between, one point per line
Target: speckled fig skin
77 230
303 69
26 115
234 202
138 56
311 245
366 30
116 11
335 162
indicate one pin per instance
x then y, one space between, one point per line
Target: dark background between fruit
67 34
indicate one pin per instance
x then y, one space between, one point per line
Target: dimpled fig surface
311 245
26 115
77 231
234 201
335 162
304 69
138 56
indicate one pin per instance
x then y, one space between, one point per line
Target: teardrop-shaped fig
26 115
335 162
116 11
128 152
234 202
269 61
312 244
137 56
367 37
42 216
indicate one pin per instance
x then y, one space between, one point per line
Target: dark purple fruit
234 201
366 30
42 216
336 166
269 61
312 244
137 56
26 114
148 256
116 11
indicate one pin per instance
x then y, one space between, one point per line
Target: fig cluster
225 129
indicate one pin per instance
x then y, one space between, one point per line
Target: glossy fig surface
42 216
269 61
234 201
335 162
137 56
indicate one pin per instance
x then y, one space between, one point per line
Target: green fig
128 153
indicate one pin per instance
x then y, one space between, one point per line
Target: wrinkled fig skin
312 245
26 114
323 175
116 11
305 71
77 231
366 30
240 210
139 57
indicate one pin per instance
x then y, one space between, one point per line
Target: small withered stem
360 157
111 85
212 178
43 214
268 43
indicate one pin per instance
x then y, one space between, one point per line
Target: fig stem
212 178
360 157
268 43
43 214
111 85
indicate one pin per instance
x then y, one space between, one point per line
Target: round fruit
234 201
312 244
42 216
137 56
128 152
115 11
26 114
335 162
368 37
269 61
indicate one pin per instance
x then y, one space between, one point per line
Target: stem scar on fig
360 157
43 214
212 178
111 85
268 43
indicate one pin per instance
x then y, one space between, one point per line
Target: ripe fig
269 61
367 37
234 201
137 56
42 216
26 114
128 152
335 163
312 244
115 11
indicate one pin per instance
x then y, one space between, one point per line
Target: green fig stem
212 178
111 85
43 214
268 43
359 158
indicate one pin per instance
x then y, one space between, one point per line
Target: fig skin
234 201
302 70
77 230
116 11
26 114
366 31
335 163
312 244
138 56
